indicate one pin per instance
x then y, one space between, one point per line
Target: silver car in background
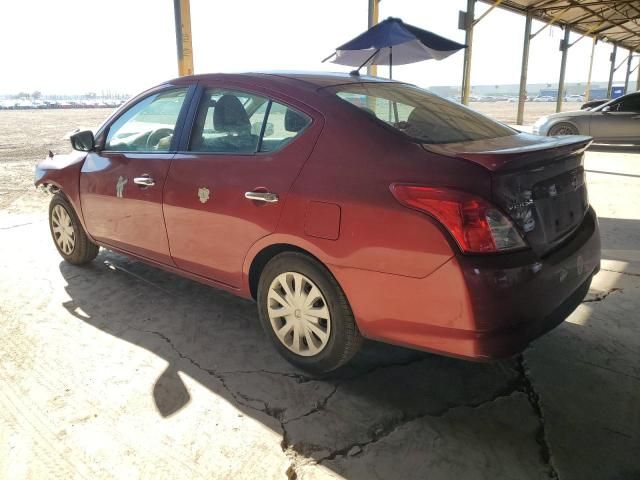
617 121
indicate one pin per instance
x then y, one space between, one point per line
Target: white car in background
544 98
574 98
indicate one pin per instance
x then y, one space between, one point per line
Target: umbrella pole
390 63
357 72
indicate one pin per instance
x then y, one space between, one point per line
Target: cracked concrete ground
120 370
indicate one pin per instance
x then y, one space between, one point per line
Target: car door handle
267 197
145 181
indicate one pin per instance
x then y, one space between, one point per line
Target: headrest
293 121
230 116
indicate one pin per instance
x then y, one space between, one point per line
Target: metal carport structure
614 21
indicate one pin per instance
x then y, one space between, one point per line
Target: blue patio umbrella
393 42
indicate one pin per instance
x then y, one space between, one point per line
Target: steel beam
468 40
183 37
612 70
373 20
626 77
522 96
593 51
564 45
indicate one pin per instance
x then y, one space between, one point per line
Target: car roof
312 79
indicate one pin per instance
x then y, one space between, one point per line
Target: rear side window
237 122
419 114
148 125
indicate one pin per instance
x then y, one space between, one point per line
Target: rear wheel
563 129
305 313
69 237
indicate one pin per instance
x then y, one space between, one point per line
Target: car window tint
147 126
419 114
629 104
228 122
283 125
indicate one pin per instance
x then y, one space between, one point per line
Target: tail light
475 224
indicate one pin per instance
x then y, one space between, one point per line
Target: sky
78 46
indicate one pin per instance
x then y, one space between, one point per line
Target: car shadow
216 339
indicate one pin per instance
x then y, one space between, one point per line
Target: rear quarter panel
354 162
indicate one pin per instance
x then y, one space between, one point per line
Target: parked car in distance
614 122
544 98
591 104
347 207
574 98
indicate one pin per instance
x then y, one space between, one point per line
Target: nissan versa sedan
615 121
347 207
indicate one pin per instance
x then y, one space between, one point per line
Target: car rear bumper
477 307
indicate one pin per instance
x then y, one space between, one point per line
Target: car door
619 122
121 182
227 188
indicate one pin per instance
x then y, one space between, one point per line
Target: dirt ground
120 370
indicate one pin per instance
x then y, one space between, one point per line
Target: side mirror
83 141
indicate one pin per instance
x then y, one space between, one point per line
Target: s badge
203 194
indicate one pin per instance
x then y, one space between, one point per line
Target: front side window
419 114
147 126
243 123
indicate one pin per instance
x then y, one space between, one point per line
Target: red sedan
348 207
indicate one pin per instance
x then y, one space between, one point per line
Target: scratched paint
122 181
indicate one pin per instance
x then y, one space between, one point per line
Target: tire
339 338
563 129
67 233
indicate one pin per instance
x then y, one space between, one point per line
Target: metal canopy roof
617 21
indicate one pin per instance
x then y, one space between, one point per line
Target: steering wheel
156 135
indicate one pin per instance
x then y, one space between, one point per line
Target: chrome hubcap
299 314
62 228
564 131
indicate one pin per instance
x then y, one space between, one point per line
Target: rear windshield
419 114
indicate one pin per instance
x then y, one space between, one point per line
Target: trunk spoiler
513 152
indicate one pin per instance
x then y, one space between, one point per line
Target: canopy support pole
522 96
628 74
372 70
593 51
638 78
612 58
183 37
564 46
468 40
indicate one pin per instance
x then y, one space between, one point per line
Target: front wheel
305 313
68 235
563 129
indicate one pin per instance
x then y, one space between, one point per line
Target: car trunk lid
538 181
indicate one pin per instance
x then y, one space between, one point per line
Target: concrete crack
242 399
16 226
385 430
318 407
621 273
534 400
296 376
601 296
